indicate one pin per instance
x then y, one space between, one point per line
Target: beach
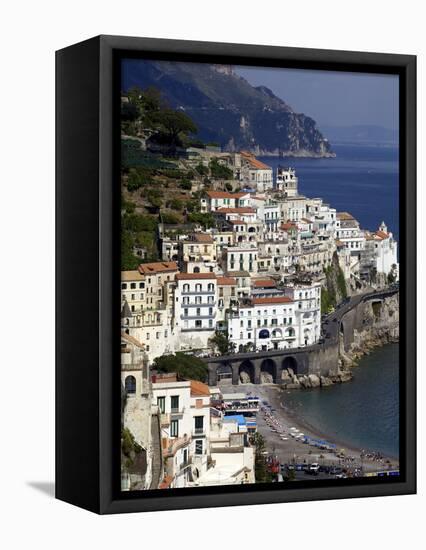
284 433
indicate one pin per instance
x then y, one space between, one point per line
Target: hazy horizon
333 98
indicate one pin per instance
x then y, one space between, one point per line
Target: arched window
196 270
130 384
210 287
186 287
198 287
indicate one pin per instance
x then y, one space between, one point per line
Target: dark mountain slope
227 109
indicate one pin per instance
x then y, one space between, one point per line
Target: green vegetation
129 447
175 204
219 171
206 220
334 290
221 343
185 366
391 278
261 472
170 218
202 170
185 184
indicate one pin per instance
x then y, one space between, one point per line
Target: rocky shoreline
365 343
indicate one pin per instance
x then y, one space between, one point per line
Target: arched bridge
320 359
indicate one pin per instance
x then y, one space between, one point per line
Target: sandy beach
281 429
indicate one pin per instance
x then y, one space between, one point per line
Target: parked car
314 468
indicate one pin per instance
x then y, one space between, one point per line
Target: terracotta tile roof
199 389
202 238
288 225
344 216
195 276
381 235
272 300
262 283
254 162
238 210
131 340
238 274
226 281
167 481
133 275
237 222
221 195
157 267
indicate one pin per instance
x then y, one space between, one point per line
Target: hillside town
256 279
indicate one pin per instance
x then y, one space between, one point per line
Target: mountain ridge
228 110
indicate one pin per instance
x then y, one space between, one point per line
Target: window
186 287
198 311
198 324
174 403
141 285
174 428
124 286
157 335
161 403
199 424
130 384
198 446
132 285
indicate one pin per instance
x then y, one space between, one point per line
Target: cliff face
228 110
377 324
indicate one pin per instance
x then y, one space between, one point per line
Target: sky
332 98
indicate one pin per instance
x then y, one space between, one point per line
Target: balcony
199 432
198 316
203 304
197 292
177 410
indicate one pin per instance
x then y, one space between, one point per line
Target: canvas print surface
259 275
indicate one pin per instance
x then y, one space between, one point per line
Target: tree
220 171
220 341
202 170
261 471
185 366
206 220
174 125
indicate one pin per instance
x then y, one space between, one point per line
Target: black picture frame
87 272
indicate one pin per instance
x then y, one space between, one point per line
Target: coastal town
264 277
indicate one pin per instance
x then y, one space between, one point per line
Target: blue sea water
364 412
362 180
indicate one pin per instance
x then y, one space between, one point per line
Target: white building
184 409
240 258
195 309
307 311
349 233
255 173
386 251
287 181
263 324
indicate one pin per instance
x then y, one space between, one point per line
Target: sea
363 413
361 179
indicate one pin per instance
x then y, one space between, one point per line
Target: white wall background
30 33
